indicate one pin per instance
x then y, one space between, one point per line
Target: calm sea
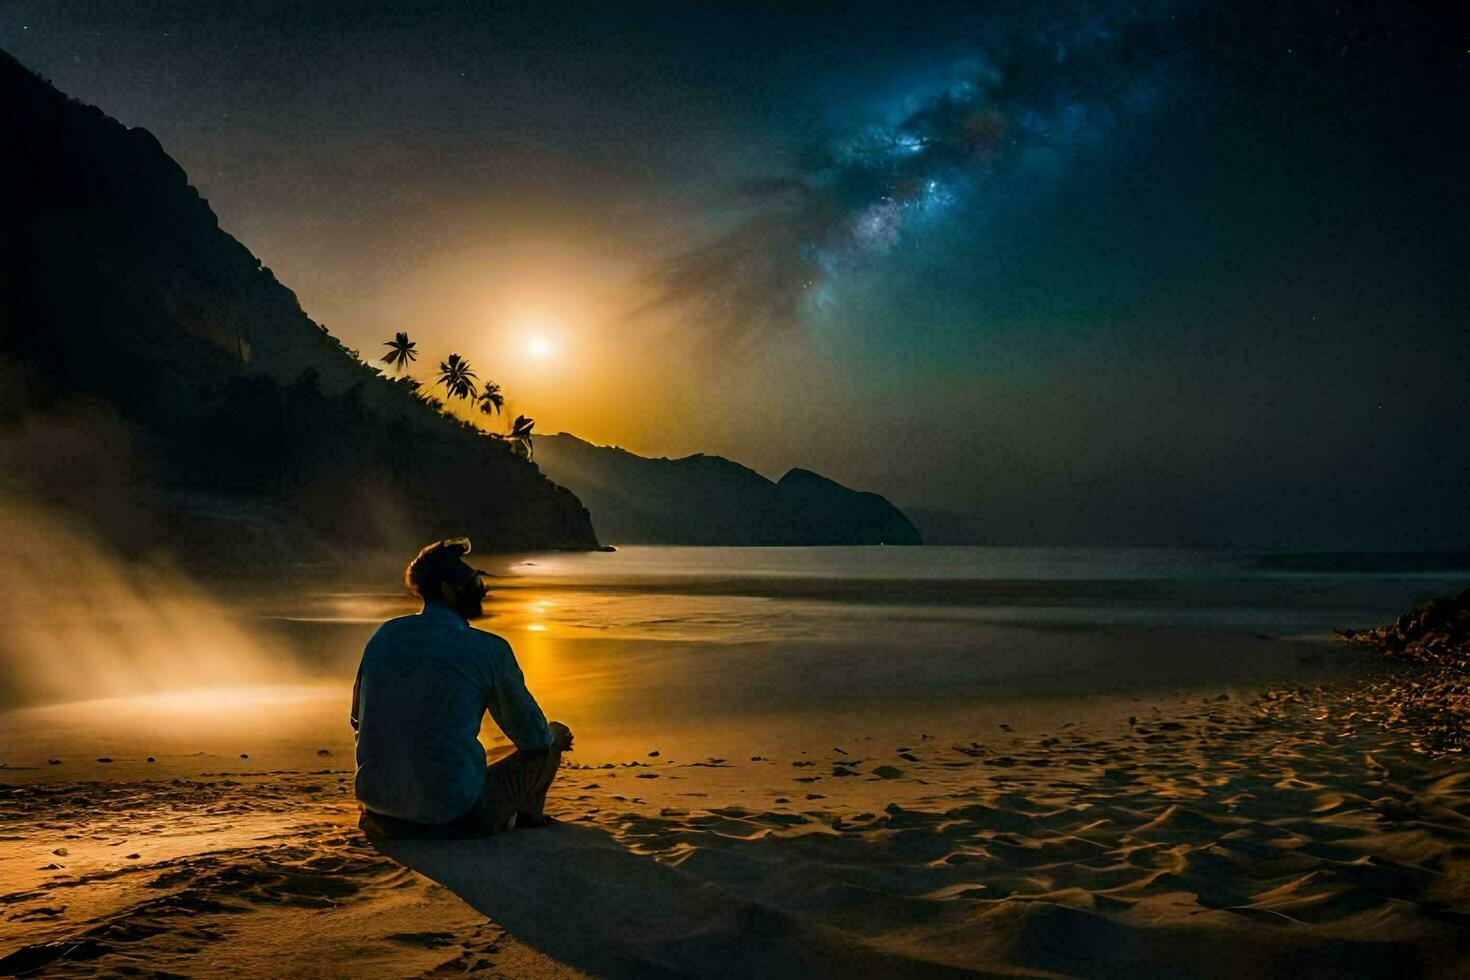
701 590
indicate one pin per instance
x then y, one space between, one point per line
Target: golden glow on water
609 644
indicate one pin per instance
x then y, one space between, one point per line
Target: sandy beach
1011 796
1222 837
958 489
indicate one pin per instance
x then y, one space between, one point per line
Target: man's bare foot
530 821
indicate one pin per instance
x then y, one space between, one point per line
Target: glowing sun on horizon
540 348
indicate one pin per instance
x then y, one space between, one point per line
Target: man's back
422 691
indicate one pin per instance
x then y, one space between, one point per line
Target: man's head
440 576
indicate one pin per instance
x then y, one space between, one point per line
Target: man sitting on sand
421 693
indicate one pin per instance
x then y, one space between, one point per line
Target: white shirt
422 691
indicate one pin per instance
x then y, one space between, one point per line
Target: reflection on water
736 595
653 639
734 629
722 595
981 564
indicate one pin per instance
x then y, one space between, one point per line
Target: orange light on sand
199 700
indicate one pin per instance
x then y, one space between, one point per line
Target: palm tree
491 400
520 436
457 378
400 351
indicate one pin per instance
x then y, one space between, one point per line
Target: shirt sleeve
512 706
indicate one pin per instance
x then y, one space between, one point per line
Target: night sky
1150 273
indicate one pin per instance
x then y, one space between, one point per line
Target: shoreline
924 798
1289 828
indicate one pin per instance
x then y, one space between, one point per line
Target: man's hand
561 737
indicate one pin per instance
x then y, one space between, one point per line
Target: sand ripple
1294 832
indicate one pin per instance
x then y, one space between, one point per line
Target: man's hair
435 565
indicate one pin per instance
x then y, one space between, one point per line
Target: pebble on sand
103 758
323 751
654 754
152 759
244 755
53 762
61 852
888 772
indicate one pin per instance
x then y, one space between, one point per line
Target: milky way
1088 270
984 131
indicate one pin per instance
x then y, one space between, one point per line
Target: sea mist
83 623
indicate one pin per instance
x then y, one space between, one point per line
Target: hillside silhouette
710 500
147 356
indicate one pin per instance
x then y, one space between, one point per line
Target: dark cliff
710 500
119 292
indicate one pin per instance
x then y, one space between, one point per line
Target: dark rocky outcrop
812 509
119 293
711 500
1435 632
1425 688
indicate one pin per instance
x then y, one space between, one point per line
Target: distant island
710 500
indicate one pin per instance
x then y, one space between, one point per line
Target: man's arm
511 704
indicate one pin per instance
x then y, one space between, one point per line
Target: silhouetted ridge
711 500
119 285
